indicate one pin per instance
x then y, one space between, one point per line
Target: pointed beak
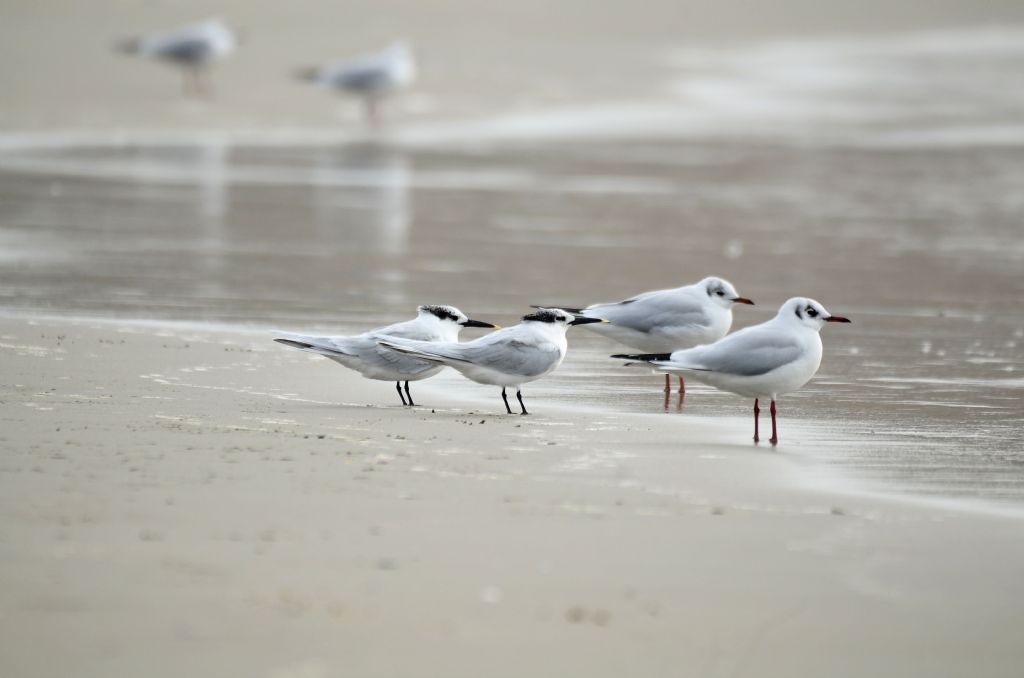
742 300
836 319
581 320
479 323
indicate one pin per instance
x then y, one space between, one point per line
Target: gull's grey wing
186 50
652 310
745 354
368 76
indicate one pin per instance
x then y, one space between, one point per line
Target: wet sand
920 246
193 501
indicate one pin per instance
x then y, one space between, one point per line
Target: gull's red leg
757 411
668 383
775 436
682 385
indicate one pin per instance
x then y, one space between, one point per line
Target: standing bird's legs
668 389
505 398
372 111
398 387
408 394
757 411
521 405
774 440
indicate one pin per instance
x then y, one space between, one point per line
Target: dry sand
202 502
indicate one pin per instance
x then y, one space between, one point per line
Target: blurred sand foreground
194 503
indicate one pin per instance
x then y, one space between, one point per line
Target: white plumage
361 352
763 361
508 357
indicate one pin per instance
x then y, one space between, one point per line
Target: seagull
662 321
508 357
362 354
192 48
371 77
760 362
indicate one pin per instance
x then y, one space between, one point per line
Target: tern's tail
424 350
311 344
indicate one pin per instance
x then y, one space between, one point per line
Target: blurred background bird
371 77
193 49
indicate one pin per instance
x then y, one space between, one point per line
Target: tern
761 362
371 77
362 354
663 321
192 48
508 357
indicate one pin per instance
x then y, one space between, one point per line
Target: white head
721 292
448 317
807 313
224 39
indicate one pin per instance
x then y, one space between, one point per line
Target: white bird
663 321
192 48
371 77
762 361
509 357
362 354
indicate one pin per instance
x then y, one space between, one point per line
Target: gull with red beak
760 362
663 321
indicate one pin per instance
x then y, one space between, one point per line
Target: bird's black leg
408 394
505 398
757 411
521 405
398 387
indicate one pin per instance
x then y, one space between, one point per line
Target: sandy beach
188 501
180 496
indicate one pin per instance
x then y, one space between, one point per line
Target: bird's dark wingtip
644 357
292 343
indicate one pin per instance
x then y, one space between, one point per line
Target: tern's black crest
442 312
546 316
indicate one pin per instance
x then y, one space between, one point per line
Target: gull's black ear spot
799 313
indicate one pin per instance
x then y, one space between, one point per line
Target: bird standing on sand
192 48
667 320
371 77
509 357
362 354
762 361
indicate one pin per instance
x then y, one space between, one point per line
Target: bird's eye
720 293
811 312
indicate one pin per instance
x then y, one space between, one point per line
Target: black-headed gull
663 321
760 362
362 354
508 357
192 48
371 77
